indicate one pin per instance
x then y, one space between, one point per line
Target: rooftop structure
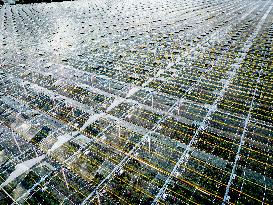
136 102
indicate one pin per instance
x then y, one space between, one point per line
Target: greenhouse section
136 102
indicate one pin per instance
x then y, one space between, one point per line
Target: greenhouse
136 102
